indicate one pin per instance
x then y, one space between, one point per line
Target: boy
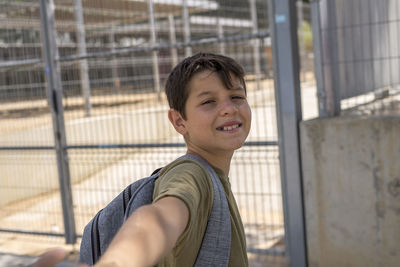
208 107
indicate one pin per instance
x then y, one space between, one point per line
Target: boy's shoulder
183 164
184 172
192 167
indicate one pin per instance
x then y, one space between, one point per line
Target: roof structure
96 13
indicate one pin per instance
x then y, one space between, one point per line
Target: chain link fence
357 56
75 133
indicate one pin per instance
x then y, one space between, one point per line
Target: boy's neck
220 161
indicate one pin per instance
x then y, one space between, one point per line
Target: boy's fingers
50 258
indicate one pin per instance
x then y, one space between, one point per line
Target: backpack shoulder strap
216 246
141 193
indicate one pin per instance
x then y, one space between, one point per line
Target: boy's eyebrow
204 93
239 88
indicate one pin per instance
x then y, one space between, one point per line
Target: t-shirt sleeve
189 182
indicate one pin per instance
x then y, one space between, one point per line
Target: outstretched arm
148 234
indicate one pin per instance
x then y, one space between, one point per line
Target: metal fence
357 56
84 79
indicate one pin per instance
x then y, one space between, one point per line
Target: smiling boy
216 117
208 107
207 97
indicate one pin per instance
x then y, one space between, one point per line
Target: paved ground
12 260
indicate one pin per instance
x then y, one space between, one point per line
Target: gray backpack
98 233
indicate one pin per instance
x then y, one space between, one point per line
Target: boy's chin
236 146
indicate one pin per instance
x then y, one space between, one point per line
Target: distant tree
307 35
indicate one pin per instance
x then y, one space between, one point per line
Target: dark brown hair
176 86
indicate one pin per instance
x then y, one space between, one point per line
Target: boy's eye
238 97
207 102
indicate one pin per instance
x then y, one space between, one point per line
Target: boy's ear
177 121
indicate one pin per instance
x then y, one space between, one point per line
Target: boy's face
218 119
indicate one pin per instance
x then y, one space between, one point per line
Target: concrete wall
351 170
138 126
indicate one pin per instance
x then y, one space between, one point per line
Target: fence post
318 66
220 34
114 63
287 91
52 70
156 71
300 21
325 58
256 43
186 27
172 40
81 38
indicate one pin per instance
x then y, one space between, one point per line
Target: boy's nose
228 107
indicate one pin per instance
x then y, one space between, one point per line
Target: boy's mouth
229 127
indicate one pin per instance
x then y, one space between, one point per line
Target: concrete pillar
351 174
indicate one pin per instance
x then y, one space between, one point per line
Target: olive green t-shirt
189 181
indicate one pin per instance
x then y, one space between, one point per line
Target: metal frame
130 50
288 101
113 146
52 70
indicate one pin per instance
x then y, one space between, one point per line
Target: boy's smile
229 126
217 118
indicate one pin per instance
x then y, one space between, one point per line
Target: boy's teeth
228 128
